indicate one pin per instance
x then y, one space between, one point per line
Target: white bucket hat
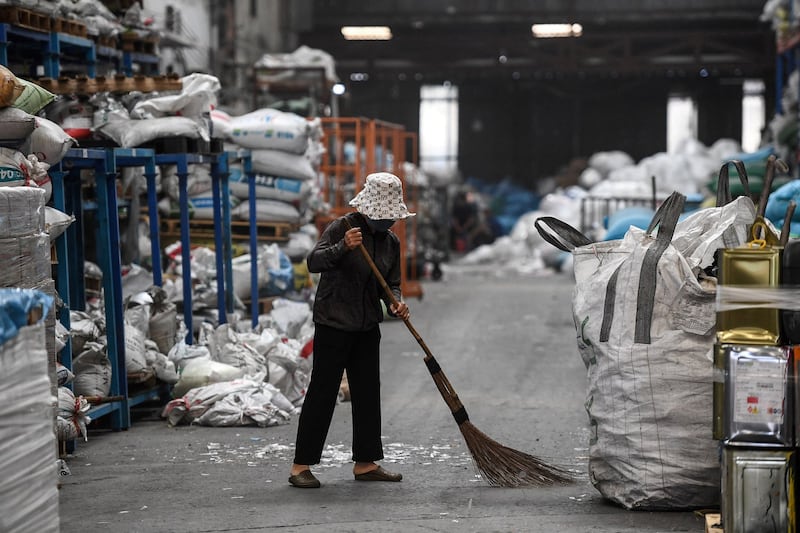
382 198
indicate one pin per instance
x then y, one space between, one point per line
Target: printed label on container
760 392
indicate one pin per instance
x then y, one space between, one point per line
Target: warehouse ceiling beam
433 38
630 54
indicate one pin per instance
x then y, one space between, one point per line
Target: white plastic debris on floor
611 174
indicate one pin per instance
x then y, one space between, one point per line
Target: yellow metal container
756 267
758 490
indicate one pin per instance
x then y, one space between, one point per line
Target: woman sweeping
347 313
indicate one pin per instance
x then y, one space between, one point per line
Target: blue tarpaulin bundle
15 304
508 202
779 202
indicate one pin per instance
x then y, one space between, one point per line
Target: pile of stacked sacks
609 175
29 144
286 154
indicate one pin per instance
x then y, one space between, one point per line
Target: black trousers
335 351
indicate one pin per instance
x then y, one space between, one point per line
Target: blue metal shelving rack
53 48
147 61
67 197
106 163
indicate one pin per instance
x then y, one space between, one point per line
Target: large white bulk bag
280 163
266 186
272 129
130 133
268 211
202 205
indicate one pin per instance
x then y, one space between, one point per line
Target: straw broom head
500 465
505 467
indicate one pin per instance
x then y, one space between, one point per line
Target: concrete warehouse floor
508 347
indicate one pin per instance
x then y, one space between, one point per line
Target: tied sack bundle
645 319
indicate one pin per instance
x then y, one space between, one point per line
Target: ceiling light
544 31
367 33
338 89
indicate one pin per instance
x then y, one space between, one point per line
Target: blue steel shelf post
247 167
110 263
62 270
3 44
52 57
152 211
102 162
144 157
226 234
73 204
219 166
186 260
182 161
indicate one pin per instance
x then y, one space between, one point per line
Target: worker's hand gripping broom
500 465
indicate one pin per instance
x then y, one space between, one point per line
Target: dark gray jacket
348 294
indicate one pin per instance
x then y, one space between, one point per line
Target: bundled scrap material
28 493
22 94
279 67
239 402
29 144
25 237
249 377
186 114
71 417
609 183
650 379
151 329
778 204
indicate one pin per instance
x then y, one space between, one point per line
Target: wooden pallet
83 85
130 42
264 304
25 18
713 521
184 145
105 41
34 20
70 27
203 229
